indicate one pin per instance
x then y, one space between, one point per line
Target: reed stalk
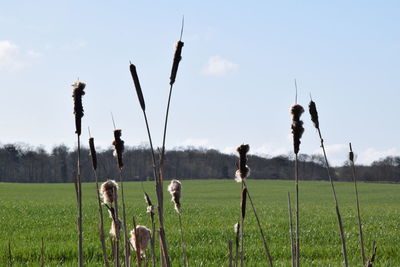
353 168
237 240
297 132
119 149
165 261
138 257
372 259
100 209
243 214
150 209
78 92
314 118
292 245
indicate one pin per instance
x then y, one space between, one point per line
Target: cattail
118 143
108 190
150 207
175 189
77 94
143 235
243 170
93 152
243 202
297 126
177 59
314 113
139 93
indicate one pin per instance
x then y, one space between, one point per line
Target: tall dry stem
100 209
77 94
150 210
353 168
292 244
314 119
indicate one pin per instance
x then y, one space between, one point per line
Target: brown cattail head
143 237
243 170
118 143
175 189
351 154
77 94
297 126
150 207
175 64
314 113
93 153
139 93
108 191
243 202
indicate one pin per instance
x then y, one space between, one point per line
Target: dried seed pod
351 154
297 126
175 64
139 93
77 94
243 202
93 153
314 113
243 170
118 143
175 189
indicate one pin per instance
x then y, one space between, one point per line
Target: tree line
21 163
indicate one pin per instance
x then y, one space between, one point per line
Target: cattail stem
9 254
126 239
266 247
230 253
339 218
297 246
101 219
42 254
79 194
152 240
237 238
117 229
292 245
353 168
185 260
243 212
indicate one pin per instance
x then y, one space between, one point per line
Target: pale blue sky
235 82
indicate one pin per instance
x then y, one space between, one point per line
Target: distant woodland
21 163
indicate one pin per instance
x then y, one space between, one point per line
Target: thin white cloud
371 154
196 142
218 66
9 54
270 150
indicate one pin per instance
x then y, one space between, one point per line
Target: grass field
210 208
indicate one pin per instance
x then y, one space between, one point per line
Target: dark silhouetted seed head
77 94
297 126
314 113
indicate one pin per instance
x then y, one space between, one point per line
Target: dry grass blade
314 114
353 168
372 259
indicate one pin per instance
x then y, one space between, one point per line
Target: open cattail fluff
297 126
107 191
143 235
114 227
314 113
118 143
236 227
175 189
243 170
77 94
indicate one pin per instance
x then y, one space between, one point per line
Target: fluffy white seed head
143 235
175 189
107 191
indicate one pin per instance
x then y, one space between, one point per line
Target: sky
235 83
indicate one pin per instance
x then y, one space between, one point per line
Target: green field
210 208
